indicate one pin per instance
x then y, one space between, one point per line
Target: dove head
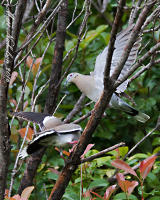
71 77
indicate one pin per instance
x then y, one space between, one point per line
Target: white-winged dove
56 133
92 85
60 136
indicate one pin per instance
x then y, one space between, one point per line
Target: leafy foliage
115 127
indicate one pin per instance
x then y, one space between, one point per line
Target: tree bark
57 60
11 45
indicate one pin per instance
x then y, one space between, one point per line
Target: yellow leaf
27 192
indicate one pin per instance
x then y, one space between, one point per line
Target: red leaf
120 164
87 194
126 186
109 192
30 133
146 165
131 185
96 194
29 61
1 62
89 146
35 65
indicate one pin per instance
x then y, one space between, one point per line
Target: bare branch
31 36
77 121
134 12
77 107
101 153
140 142
102 13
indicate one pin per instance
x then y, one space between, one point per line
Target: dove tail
142 117
139 116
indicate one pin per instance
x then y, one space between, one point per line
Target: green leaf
122 196
102 161
138 155
155 198
123 151
156 150
98 183
52 176
156 141
91 35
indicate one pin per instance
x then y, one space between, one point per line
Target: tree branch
11 45
34 160
74 159
77 107
101 153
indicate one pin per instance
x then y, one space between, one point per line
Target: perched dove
61 135
55 132
45 121
92 85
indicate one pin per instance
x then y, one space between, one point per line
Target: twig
77 107
12 41
22 92
64 96
101 153
41 28
74 19
134 14
35 159
141 71
102 13
146 136
33 102
56 71
151 18
77 121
